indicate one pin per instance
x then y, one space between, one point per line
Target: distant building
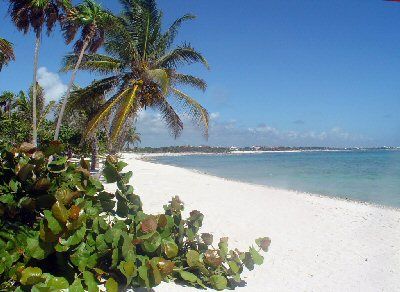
234 148
255 148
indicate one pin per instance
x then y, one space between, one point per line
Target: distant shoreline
238 152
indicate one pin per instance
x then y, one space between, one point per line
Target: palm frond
127 105
196 111
104 111
185 54
159 76
171 118
46 110
6 52
190 80
120 41
91 95
169 36
92 62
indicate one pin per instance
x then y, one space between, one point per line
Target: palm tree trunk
68 93
95 152
34 91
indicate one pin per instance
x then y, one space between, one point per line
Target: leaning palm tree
140 70
6 52
36 14
92 20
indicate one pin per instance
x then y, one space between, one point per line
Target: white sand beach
318 243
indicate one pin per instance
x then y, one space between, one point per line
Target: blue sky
296 73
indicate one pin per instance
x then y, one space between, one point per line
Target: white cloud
214 116
52 84
225 133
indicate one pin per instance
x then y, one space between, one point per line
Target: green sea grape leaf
14 185
191 278
7 199
111 285
110 173
75 238
106 201
121 165
101 244
257 258
151 244
90 281
128 269
193 258
60 212
127 246
234 267
31 276
53 224
187 276
143 274
223 246
122 206
76 286
52 284
114 257
155 272
248 261
37 249
218 282
170 248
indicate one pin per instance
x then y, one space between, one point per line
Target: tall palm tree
141 70
92 20
6 52
36 14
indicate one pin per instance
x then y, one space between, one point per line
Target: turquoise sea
370 176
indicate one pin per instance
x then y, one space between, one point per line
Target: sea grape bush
60 229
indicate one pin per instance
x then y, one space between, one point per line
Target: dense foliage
61 229
16 121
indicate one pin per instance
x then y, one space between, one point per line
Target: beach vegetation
62 229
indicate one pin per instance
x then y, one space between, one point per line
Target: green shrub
60 229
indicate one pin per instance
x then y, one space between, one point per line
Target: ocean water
370 176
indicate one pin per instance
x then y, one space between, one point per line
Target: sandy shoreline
318 243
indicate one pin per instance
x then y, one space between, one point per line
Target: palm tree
132 137
93 21
36 14
141 70
6 52
79 111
